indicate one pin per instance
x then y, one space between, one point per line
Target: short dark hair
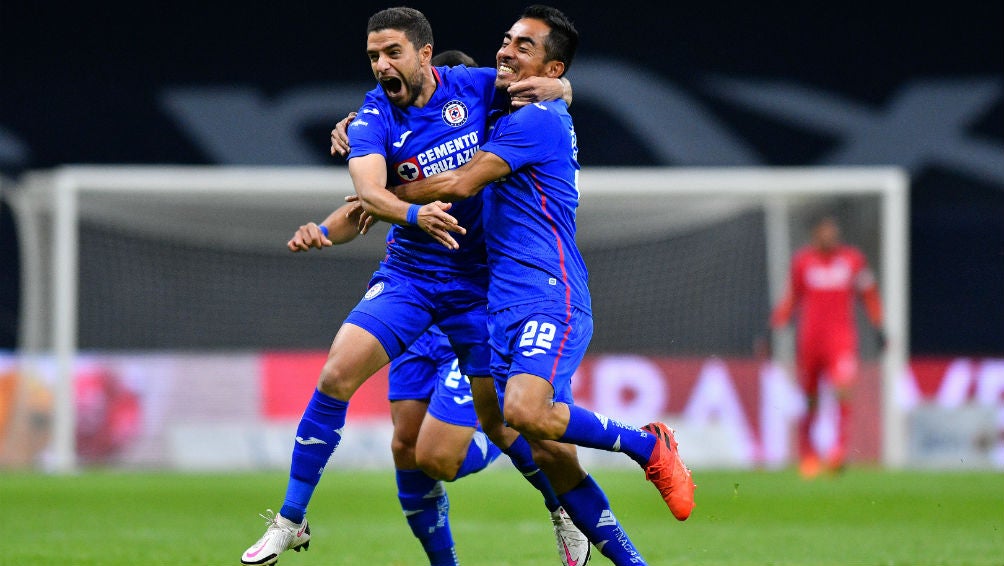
563 39
413 23
820 218
452 58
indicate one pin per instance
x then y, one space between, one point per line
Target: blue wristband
323 229
413 214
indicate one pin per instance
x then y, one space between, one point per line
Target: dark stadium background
79 84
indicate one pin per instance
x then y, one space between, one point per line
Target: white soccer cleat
573 546
280 536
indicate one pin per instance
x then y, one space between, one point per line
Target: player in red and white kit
826 277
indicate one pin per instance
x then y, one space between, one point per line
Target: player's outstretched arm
340 226
456 184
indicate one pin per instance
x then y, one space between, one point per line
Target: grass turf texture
771 518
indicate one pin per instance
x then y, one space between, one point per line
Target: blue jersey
420 142
530 214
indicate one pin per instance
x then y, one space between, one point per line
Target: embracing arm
539 89
566 90
369 177
456 184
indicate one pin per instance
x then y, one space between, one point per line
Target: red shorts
839 366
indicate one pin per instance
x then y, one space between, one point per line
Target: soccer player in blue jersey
540 313
436 434
419 121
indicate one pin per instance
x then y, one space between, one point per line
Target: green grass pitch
866 516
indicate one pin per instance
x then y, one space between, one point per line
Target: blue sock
317 436
589 509
480 453
427 509
522 457
592 430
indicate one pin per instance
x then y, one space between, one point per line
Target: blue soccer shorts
428 371
545 339
401 303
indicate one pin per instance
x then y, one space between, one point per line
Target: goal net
684 264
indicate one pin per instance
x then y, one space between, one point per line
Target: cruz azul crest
455 113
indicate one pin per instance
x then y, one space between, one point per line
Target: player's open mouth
504 69
393 86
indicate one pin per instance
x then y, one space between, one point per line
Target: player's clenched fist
308 236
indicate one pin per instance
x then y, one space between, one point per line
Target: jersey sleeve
866 287
797 280
530 136
368 132
864 277
793 295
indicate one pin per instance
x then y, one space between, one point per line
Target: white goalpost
778 190
127 259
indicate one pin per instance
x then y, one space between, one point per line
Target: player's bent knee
403 450
438 466
528 421
338 381
354 356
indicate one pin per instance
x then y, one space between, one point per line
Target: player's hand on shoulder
434 220
340 136
308 236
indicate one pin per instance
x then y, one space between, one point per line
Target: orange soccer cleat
666 470
809 467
